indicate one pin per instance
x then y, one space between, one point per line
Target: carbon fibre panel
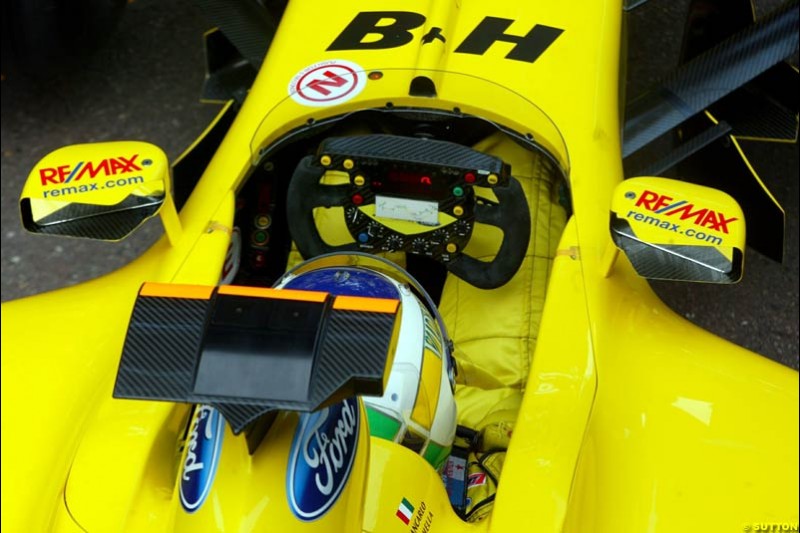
675 262
248 355
108 223
710 76
427 152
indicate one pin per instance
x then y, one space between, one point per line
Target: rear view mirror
97 191
680 231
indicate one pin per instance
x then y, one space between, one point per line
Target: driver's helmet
417 409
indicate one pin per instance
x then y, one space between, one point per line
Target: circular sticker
327 83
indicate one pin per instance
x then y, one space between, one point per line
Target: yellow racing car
402 287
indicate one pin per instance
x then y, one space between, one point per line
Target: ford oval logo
321 458
202 456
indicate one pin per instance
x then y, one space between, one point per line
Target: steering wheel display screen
419 211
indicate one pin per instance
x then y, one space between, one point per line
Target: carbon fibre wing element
249 351
710 76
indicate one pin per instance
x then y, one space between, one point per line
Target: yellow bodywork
628 417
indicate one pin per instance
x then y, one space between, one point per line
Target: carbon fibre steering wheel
413 195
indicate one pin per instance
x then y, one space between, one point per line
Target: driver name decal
327 83
321 459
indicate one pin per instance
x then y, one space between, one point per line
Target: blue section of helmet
345 281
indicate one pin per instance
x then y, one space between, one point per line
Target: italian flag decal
404 511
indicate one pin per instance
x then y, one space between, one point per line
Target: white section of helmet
337 273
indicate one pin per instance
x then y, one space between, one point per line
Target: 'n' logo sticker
327 83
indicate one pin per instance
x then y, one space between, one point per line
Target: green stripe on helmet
382 425
436 454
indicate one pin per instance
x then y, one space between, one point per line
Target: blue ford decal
321 459
202 457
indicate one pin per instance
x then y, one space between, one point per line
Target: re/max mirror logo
668 206
111 166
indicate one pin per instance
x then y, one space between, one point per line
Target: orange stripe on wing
174 290
275 294
360 303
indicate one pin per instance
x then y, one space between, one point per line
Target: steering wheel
413 195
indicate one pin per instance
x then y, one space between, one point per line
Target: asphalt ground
145 83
